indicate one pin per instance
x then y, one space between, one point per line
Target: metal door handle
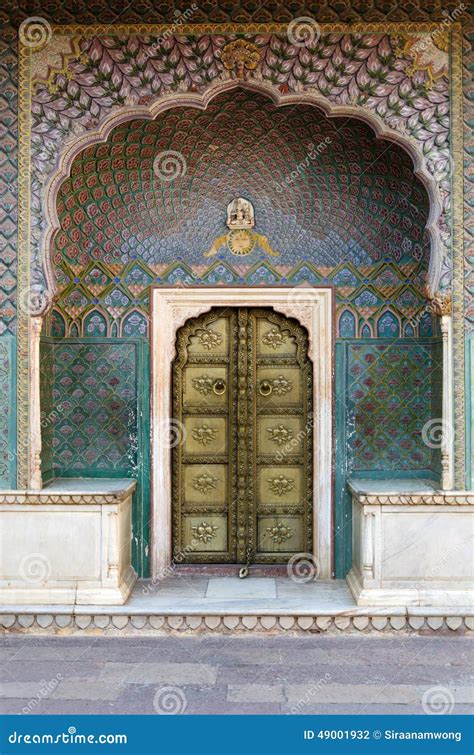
265 388
219 387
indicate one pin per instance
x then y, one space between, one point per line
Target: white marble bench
412 544
67 543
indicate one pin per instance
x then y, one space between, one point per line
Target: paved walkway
226 674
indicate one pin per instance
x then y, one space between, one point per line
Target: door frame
171 307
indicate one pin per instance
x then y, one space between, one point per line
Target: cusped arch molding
203 102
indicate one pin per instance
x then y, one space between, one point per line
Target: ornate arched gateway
344 202
147 205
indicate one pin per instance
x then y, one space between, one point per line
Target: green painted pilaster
8 444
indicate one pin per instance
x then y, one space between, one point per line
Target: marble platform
396 486
412 544
68 543
227 604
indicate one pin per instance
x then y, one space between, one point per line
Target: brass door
242 473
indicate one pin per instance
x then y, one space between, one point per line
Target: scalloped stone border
133 624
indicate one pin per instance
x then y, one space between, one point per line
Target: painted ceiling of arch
91 77
354 198
353 215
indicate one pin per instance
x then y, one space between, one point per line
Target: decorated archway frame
392 76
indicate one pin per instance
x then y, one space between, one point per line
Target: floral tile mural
400 78
392 397
94 395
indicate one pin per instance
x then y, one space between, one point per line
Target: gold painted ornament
241 242
241 239
239 57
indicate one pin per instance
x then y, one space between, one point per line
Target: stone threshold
226 605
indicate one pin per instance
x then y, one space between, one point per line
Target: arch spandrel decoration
406 83
149 113
30 274
358 220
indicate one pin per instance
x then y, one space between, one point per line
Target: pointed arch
200 102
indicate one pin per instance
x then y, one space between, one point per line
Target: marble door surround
171 308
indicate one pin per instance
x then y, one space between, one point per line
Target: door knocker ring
265 388
219 387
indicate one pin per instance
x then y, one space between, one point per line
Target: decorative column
447 447
442 306
368 552
34 472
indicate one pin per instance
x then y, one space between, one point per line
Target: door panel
203 463
210 338
242 477
280 435
273 340
280 535
206 535
280 486
205 387
205 435
283 459
205 481
279 385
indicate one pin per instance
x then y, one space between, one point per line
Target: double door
242 459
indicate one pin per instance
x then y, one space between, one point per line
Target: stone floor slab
83 689
51 652
230 674
255 693
230 588
160 673
15 689
360 694
47 671
352 709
